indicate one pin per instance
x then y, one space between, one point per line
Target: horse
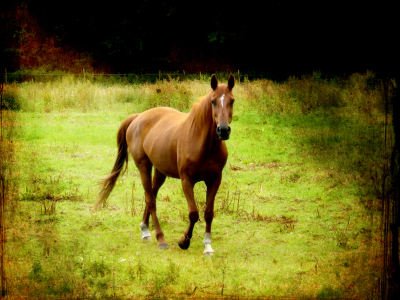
190 147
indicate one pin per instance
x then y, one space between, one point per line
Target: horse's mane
200 112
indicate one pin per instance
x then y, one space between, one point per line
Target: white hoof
207 245
208 250
145 232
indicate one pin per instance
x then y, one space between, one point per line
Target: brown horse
188 146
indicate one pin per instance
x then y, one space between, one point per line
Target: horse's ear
214 82
231 82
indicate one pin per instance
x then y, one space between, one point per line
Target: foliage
30 46
170 35
10 100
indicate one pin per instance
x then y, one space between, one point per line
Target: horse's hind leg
158 181
144 226
145 173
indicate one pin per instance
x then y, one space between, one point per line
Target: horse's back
150 121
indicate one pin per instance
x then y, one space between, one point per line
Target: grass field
297 213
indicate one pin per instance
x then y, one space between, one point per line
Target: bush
10 100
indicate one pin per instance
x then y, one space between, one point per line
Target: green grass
296 214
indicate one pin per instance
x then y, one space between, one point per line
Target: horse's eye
213 102
232 101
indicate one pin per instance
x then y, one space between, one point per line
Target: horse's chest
212 166
200 167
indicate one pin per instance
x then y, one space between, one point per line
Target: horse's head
222 105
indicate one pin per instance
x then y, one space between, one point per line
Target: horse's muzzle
223 132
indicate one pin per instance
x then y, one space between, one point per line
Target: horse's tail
108 183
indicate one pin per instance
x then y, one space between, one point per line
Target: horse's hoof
146 236
184 243
163 246
208 251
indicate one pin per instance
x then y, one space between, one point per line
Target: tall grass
88 95
359 93
297 213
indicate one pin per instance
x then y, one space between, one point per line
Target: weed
327 292
92 222
343 235
36 272
163 279
172 272
141 270
49 208
49 189
287 227
291 177
95 269
129 204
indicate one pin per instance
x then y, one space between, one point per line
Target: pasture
297 213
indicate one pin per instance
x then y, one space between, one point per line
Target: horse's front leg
187 186
212 189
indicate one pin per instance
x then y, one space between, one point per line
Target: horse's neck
201 121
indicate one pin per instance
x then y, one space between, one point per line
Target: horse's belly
165 162
161 150
167 170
